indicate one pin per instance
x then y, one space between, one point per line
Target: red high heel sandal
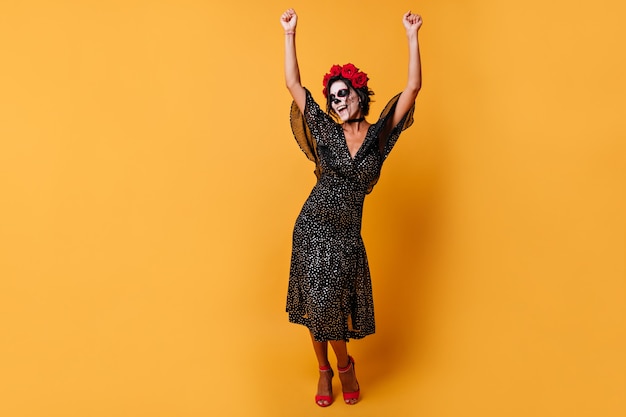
325 400
350 398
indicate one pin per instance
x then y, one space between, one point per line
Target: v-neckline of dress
345 142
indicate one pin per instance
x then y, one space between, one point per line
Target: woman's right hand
289 20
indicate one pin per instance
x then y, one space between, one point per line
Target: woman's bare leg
321 352
340 347
325 383
348 379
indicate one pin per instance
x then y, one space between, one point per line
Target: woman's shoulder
314 112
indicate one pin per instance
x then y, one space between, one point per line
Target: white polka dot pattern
330 289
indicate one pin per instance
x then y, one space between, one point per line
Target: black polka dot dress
330 289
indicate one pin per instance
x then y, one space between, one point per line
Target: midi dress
330 289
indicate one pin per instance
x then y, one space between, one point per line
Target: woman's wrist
290 32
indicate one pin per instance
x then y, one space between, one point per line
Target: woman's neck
355 120
354 125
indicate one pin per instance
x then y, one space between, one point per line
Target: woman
329 283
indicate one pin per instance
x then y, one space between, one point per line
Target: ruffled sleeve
310 128
387 143
386 138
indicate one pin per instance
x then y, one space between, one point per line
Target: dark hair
364 94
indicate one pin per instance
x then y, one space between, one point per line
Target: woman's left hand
412 22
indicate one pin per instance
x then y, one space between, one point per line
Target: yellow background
149 183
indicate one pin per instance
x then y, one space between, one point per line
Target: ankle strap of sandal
348 367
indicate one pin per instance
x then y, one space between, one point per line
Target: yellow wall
149 183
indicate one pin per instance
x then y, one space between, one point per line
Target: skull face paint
344 101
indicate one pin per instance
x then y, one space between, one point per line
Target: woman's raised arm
289 21
412 23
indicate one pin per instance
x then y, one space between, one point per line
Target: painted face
344 101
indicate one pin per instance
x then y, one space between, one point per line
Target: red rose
327 78
359 80
348 71
335 70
